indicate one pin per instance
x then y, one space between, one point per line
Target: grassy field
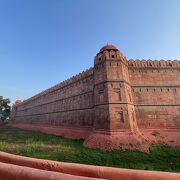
40 145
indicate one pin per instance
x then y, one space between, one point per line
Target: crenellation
153 63
65 83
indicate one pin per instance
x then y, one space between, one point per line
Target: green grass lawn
40 145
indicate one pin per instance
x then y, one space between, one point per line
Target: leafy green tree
5 108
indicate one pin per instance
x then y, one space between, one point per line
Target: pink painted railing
18 167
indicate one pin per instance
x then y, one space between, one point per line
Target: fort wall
69 103
115 100
156 92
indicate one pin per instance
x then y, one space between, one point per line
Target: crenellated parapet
78 77
109 54
153 63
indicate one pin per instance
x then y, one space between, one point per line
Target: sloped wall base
125 140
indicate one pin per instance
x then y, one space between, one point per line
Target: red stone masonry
117 104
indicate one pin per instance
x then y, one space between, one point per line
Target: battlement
153 63
107 54
78 77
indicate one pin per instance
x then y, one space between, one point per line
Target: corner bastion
116 104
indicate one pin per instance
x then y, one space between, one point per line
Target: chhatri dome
108 47
18 102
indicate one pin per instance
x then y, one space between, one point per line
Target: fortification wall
69 103
155 89
150 72
107 104
156 92
158 117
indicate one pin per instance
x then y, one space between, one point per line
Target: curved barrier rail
14 172
75 170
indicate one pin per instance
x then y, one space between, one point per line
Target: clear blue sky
43 42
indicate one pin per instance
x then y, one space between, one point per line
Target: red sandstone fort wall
117 96
69 103
156 92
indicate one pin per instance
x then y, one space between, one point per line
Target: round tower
114 112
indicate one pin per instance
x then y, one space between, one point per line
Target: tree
5 108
